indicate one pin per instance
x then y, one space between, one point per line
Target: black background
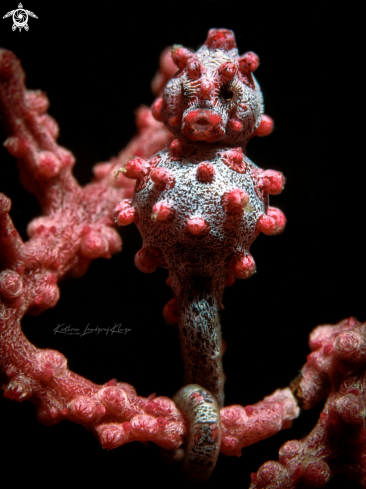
96 64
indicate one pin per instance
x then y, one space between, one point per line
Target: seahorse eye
227 95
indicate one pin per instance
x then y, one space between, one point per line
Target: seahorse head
214 95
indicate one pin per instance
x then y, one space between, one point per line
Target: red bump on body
234 159
163 211
220 39
226 71
205 172
180 56
127 216
272 223
136 168
206 87
248 63
197 226
163 178
235 125
272 182
148 259
126 213
194 68
243 266
265 127
234 201
176 149
175 121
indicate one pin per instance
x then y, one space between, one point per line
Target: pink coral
334 370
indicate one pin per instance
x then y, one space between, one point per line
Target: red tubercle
176 149
180 56
127 216
226 71
242 266
220 39
148 259
271 223
163 211
234 159
206 87
197 226
156 109
194 68
163 178
170 312
234 201
175 121
136 168
235 125
265 127
205 172
248 63
168 281
272 182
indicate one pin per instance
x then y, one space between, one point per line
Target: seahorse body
200 204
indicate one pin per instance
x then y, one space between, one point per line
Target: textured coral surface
335 370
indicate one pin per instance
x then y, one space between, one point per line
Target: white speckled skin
182 94
229 234
209 129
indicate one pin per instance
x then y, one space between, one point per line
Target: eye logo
20 17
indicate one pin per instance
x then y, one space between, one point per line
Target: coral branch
335 369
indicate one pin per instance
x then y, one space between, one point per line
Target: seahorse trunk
199 300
